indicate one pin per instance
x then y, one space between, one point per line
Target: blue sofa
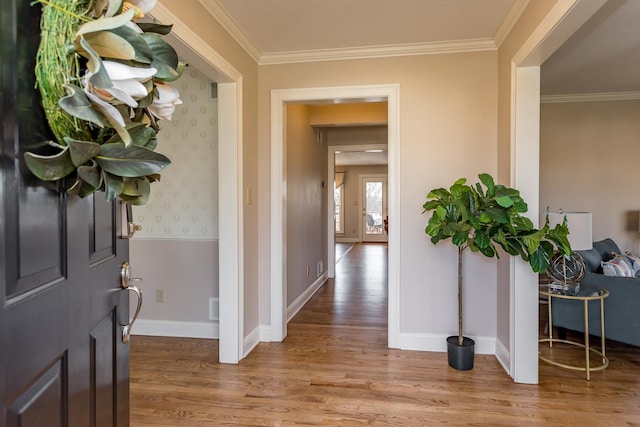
621 307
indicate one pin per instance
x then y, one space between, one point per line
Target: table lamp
567 271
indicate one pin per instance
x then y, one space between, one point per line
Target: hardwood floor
334 368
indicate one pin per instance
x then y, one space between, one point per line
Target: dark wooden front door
62 358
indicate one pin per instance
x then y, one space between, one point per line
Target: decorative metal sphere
566 269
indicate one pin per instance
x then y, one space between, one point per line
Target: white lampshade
579 224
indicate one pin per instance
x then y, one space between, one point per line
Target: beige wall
448 129
362 113
589 155
201 22
187 272
351 206
357 135
306 210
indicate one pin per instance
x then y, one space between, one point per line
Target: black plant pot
460 356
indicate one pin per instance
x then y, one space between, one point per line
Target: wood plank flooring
334 368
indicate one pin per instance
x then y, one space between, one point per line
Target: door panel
62 361
43 403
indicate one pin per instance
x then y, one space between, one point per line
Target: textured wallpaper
184 204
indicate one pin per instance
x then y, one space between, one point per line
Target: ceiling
603 56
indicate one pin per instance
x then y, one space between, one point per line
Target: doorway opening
279 101
202 56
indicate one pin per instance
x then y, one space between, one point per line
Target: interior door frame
230 120
363 177
524 168
331 207
279 99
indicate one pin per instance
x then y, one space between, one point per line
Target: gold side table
586 294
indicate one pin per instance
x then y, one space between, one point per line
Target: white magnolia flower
164 103
127 82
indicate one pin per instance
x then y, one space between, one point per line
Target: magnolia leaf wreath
102 76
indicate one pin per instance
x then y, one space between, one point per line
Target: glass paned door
374 208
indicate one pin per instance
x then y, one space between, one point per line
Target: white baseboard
436 342
265 333
167 328
251 341
503 356
295 306
348 240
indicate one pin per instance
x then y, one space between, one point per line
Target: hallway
356 297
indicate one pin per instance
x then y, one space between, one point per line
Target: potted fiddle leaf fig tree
481 218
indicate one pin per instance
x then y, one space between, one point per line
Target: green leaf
433 228
132 161
78 105
135 186
152 144
165 58
440 212
179 71
50 168
488 182
113 116
439 193
460 238
113 185
481 239
135 200
108 44
140 49
91 175
103 24
154 177
81 188
539 260
504 201
489 252
498 215
141 135
81 151
151 27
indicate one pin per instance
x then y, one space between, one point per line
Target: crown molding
509 21
318 55
221 15
590 97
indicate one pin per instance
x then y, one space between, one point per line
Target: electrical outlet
160 297
308 270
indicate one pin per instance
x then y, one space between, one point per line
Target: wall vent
213 92
214 308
